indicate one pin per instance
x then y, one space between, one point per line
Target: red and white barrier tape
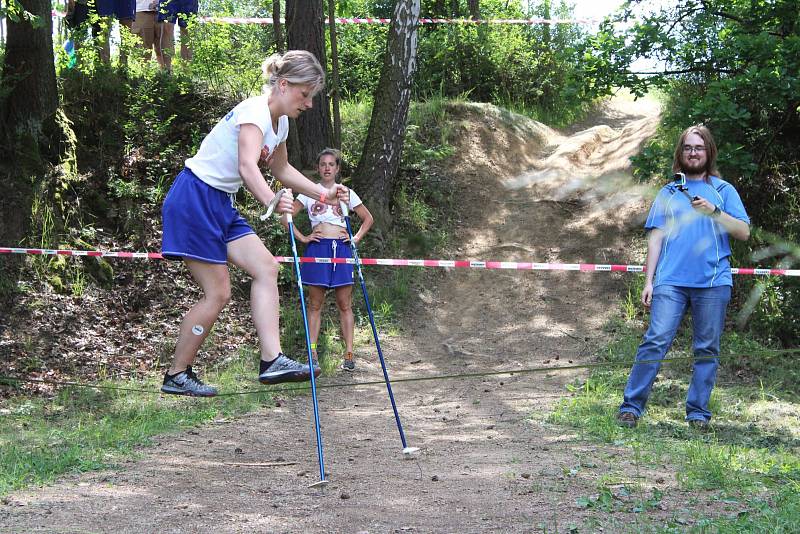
470 264
375 20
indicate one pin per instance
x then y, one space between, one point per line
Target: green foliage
13 10
632 302
499 64
427 134
422 206
355 122
361 48
732 65
227 56
135 132
524 66
654 162
781 516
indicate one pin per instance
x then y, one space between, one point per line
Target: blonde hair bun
298 67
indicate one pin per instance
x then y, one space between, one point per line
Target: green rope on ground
9 380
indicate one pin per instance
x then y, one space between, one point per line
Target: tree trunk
334 85
305 30
29 72
276 26
380 160
474 10
546 27
37 144
293 141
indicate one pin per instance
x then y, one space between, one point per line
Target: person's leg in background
165 44
344 301
316 299
144 28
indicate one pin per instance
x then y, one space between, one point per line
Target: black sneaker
348 365
627 419
285 369
187 383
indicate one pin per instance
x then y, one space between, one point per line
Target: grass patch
752 455
82 429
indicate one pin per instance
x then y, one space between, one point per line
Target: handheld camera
680 180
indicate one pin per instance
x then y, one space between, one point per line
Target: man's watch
716 213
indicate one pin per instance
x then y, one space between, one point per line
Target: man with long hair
687 266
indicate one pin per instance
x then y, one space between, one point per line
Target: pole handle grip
344 208
273 204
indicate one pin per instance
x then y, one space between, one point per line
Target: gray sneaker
348 365
187 383
285 369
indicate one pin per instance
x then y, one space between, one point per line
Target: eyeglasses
688 149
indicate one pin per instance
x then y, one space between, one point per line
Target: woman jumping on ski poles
329 239
203 228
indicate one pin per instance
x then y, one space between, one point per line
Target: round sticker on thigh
198 330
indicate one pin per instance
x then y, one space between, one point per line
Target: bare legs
249 254
156 36
316 297
214 280
105 39
344 301
165 44
186 51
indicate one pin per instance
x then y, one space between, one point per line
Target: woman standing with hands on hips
203 228
329 239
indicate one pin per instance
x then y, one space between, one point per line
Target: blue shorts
177 11
199 221
120 9
327 274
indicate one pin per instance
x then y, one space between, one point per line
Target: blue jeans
669 305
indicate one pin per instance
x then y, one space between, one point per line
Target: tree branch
775 131
687 71
744 22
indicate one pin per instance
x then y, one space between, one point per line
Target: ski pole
407 451
322 481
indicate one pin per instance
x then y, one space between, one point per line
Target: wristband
716 213
322 197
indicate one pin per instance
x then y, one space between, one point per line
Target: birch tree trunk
376 173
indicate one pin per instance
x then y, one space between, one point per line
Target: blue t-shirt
696 248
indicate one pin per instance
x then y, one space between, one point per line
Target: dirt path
489 462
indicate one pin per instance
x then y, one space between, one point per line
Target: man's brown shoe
627 419
699 424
